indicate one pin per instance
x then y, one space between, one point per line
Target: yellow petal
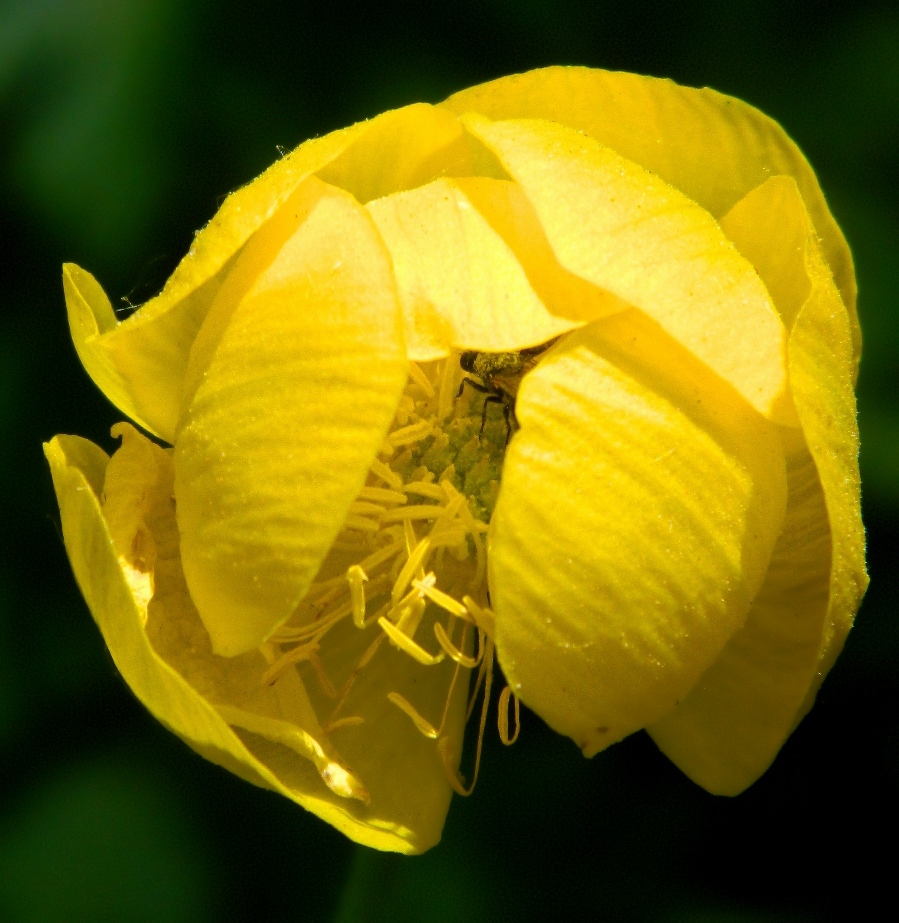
460 284
171 669
139 364
640 503
712 147
729 728
725 734
401 149
623 229
299 369
400 766
822 363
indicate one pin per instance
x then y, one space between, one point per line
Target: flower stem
369 886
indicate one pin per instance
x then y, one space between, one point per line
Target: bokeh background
122 124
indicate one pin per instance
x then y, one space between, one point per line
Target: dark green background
122 124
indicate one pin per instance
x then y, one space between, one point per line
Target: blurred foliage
122 124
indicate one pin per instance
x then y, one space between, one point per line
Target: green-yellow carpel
623 229
621 566
264 474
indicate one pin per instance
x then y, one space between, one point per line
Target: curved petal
298 371
639 505
401 768
401 149
711 147
729 728
170 667
623 229
460 284
822 372
725 734
139 363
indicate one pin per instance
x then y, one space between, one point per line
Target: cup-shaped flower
559 371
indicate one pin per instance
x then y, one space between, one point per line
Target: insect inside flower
500 375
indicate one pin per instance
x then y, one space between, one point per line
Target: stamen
356 577
412 512
454 653
483 617
416 559
364 508
447 398
503 716
386 474
406 644
444 600
381 556
422 380
352 722
293 656
406 706
423 489
381 495
321 676
444 744
408 435
360 524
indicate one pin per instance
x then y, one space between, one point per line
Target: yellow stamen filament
423 489
360 524
447 397
483 618
412 512
296 655
324 682
407 645
406 706
408 435
381 495
356 578
444 600
416 559
364 508
445 746
454 653
352 722
422 380
386 474
503 716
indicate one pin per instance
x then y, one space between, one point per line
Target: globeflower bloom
558 373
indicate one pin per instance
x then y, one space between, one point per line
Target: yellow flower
562 369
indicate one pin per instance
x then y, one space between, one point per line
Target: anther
503 716
404 705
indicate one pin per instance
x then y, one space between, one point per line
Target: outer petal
640 503
621 228
298 371
725 734
714 148
460 284
140 363
171 669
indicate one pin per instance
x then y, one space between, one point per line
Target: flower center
410 563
